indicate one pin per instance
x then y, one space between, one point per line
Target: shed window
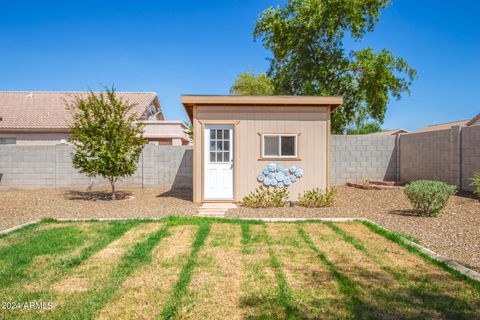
279 145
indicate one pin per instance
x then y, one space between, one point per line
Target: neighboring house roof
390 132
41 110
443 126
474 121
189 101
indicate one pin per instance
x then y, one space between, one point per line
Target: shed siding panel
309 122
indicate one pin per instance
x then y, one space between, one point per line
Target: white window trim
263 135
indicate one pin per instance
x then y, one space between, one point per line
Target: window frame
280 135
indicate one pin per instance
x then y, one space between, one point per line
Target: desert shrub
476 183
264 197
316 198
429 197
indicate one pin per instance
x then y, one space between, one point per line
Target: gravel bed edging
452 264
20 226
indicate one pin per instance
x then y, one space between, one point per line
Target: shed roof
189 101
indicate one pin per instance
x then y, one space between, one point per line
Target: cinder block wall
450 155
470 154
51 167
354 158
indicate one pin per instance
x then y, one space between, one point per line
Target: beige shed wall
311 123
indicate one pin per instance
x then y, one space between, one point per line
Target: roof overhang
190 101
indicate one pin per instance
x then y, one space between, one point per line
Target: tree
248 84
362 124
106 136
365 128
309 57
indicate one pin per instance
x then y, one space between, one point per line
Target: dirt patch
97 195
21 206
71 285
214 292
144 294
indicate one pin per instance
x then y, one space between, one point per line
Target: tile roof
46 110
443 126
390 132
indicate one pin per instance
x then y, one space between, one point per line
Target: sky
198 47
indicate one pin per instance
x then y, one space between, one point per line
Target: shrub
429 197
476 183
264 197
316 198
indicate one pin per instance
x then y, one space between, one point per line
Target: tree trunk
112 183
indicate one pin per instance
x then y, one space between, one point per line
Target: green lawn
194 268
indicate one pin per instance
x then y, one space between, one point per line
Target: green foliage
429 197
309 57
266 197
190 130
106 136
476 183
365 128
248 84
316 198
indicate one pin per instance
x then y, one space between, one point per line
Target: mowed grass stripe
348 288
176 299
259 285
440 293
16 259
86 305
115 230
144 294
214 291
93 272
314 291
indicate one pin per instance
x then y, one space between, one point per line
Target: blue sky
198 47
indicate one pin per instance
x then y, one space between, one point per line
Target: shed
242 142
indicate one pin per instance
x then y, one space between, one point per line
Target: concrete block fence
50 166
451 155
355 158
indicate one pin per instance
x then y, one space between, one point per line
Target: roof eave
190 101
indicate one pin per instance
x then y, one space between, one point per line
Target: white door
218 162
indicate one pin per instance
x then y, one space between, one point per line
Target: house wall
354 158
173 131
50 166
310 122
36 138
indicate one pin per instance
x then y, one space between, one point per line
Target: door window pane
212 146
226 146
288 146
271 146
219 134
226 134
212 157
212 134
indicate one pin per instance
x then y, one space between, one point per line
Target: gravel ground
456 234
21 206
